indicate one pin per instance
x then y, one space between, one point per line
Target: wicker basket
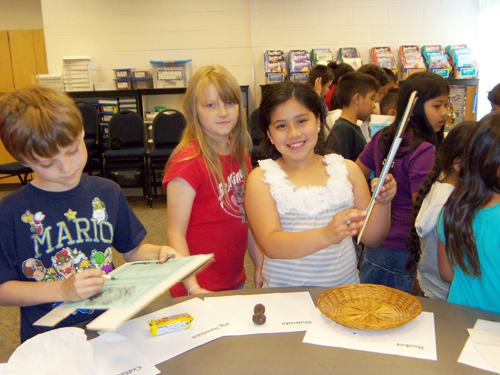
369 306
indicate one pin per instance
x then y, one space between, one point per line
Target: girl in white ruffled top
303 208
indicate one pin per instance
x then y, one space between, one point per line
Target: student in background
430 200
389 103
469 238
393 79
414 160
58 231
388 111
320 79
380 75
356 94
205 181
339 70
303 207
494 98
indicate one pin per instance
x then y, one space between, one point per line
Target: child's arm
366 171
445 269
78 286
275 243
379 223
180 198
257 259
150 252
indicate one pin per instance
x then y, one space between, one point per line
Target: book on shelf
107 108
105 117
127 100
150 116
128 106
108 101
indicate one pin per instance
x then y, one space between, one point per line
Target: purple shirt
410 173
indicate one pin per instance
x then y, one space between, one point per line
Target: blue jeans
384 266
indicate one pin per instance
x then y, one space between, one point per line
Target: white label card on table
207 325
114 354
415 339
471 353
285 312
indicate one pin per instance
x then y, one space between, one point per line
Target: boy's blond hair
36 122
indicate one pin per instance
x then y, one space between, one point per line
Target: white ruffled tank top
306 208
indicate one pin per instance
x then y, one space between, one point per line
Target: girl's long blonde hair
239 138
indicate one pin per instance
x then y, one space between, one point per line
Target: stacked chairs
93 138
15 169
126 160
168 126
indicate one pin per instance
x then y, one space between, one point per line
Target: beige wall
235 33
20 14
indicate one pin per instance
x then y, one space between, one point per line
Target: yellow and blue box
170 324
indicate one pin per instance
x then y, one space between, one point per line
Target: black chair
168 126
16 169
256 134
93 138
126 160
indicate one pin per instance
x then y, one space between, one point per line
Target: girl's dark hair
339 69
279 93
450 150
494 95
479 180
428 86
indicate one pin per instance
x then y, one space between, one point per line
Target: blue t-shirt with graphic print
48 236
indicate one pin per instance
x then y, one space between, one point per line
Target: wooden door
6 77
22 57
22 52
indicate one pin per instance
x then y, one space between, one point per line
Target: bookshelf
141 95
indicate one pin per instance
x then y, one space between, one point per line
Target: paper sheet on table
471 355
285 312
207 325
114 354
487 343
415 339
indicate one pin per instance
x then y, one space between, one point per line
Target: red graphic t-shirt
214 226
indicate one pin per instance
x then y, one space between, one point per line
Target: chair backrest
126 130
90 120
254 127
168 126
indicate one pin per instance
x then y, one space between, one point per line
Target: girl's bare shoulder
256 174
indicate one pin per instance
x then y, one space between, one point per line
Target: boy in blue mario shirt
57 232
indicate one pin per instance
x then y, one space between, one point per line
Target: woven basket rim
368 306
